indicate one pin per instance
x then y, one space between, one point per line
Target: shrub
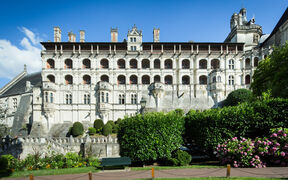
261 152
77 129
107 129
91 130
150 137
114 126
238 96
212 127
98 125
180 158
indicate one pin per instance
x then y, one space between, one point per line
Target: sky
24 24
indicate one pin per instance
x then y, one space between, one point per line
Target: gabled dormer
134 39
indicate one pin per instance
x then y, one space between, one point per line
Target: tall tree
272 74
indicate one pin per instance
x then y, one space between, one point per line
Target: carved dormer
134 41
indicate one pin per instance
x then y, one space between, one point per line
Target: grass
49 172
175 167
219 178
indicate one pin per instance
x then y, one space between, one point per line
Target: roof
282 20
19 87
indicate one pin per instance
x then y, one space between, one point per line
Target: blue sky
25 23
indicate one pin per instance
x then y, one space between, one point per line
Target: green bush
77 129
107 129
114 126
212 127
150 137
180 158
98 125
91 131
238 96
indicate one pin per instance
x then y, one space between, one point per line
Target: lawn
48 172
220 178
175 167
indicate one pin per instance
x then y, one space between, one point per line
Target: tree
238 96
77 129
272 73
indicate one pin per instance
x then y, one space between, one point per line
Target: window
51 97
121 99
86 98
203 64
104 78
107 98
247 79
121 79
133 64
86 64
50 64
133 79
168 64
247 63
214 79
131 39
46 96
133 98
134 39
231 64
68 99
145 64
145 79
219 78
156 64
185 80
168 79
68 64
104 63
102 96
231 80
157 78
86 79
68 79
51 78
121 64
15 103
215 64
256 61
203 80
185 64
133 48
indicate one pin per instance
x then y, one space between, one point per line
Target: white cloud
13 58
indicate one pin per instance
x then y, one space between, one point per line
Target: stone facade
83 81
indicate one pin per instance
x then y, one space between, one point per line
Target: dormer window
134 39
133 48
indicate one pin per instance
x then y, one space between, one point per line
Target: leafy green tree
272 73
77 129
98 125
238 96
107 129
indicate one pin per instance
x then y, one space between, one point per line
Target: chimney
71 37
82 36
114 35
156 35
57 34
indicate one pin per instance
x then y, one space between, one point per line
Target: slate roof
282 20
19 87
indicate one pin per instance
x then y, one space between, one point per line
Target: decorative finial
25 68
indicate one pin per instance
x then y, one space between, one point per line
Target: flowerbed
52 161
258 153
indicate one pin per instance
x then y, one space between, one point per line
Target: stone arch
185 80
86 64
121 79
157 64
121 64
86 79
168 79
133 64
145 64
203 80
68 64
50 64
104 78
104 63
215 64
51 78
168 64
247 79
203 64
157 78
145 79
68 79
186 64
133 79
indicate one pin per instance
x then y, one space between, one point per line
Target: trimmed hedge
98 125
238 96
77 129
212 127
150 137
107 129
91 131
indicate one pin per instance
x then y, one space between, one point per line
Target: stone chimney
57 34
114 35
156 35
71 37
82 36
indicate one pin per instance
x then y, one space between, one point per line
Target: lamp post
142 104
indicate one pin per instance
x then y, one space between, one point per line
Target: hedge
238 96
107 129
150 137
212 127
98 125
77 129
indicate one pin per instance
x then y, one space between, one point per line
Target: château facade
83 81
